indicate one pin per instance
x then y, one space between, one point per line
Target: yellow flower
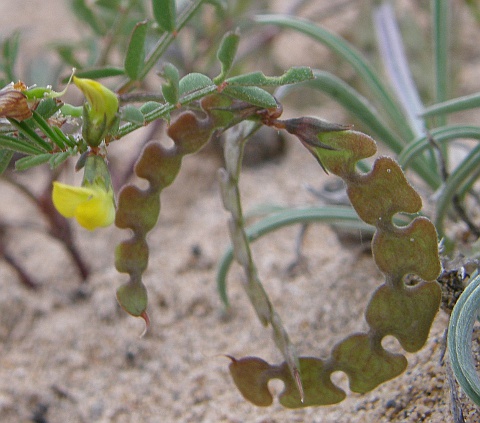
100 111
92 206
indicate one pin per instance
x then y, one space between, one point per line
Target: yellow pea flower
92 204
100 111
93 207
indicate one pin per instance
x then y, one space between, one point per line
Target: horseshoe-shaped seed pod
395 309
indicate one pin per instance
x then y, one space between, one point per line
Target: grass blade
454 105
396 63
18 145
459 340
440 135
441 31
340 216
458 177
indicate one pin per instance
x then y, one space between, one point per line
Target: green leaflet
253 95
164 12
292 76
135 57
193 82
226 54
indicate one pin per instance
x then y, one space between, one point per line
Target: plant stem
229 178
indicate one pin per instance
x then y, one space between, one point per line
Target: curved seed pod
138 209
395 309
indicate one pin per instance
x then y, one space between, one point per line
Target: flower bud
99 112
13 102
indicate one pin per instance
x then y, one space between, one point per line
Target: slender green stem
164 110
229 178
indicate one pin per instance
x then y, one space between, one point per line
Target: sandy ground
69 354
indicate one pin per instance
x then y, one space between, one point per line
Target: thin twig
59 227
22 274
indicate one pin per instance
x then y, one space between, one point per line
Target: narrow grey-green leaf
164 12
135 57
18 145
5 159
442 28
458 104
462 173
226 54
441 136
58 158
31 161
193 82
253 95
